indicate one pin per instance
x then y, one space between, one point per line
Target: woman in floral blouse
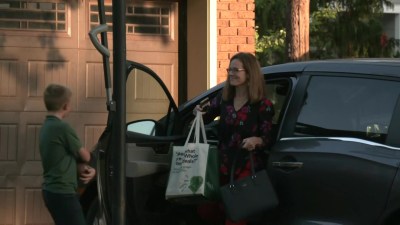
245 120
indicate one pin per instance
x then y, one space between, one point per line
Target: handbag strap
253 172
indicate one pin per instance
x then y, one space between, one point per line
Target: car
335 157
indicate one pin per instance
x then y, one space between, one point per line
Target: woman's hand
251 143
199 108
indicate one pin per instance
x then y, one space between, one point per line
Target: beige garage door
43 42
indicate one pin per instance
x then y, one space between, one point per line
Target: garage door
43 42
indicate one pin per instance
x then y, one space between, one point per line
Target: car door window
277 91
148 107
348 107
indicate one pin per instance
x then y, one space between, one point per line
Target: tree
337 28
297 36
271 31
350 29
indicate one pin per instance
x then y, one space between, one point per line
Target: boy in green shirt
63 157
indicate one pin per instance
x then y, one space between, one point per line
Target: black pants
65 209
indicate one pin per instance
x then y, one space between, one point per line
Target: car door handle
287 164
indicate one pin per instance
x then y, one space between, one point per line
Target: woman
245 121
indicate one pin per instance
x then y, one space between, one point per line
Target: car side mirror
147 127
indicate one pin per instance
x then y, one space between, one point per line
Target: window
277 93
348 107
145 98
149 19
33 15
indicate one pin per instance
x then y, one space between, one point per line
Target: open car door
151 122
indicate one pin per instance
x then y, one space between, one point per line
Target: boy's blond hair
56 96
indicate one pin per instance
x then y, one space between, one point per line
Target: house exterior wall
30 60
197 51
236 31
392 22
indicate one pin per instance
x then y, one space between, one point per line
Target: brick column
236 31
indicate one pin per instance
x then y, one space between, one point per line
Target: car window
348 107
277 92
145 101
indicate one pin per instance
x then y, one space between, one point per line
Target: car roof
374 66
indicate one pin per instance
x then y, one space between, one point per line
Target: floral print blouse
234 126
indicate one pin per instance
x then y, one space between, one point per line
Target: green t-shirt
59 146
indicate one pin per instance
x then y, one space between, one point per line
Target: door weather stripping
356 140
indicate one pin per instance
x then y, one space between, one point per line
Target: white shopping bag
194 166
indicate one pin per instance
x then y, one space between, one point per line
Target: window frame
155 5
67 20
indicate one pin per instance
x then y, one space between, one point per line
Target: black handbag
249 195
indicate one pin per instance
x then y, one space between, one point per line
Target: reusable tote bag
249 195
194 167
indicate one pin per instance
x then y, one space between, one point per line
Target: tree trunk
297 36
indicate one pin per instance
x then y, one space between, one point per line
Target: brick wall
236 31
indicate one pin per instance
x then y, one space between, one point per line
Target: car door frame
105 172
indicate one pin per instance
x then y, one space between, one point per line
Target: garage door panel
29 202
7 204
91 87
144 95
9 143
8 76
21 199
12 84
29 160
30 72
29 136
32 140
92 129
88 126
43 73
92 93
164 64
35 209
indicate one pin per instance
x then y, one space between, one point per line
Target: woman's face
237 74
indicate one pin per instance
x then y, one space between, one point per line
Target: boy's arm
84 155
